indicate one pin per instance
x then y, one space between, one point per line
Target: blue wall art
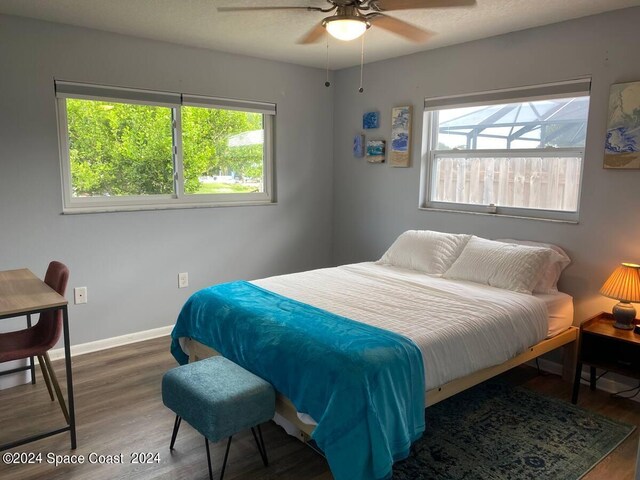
358 146
370 120
400 155
622 145
375 151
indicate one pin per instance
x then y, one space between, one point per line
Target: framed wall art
370 120
358 146
376 151
400 150
622 144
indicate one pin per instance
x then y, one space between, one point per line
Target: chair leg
206 442
56 386
260 445
226 455
32 369
45 375
32 365
176 426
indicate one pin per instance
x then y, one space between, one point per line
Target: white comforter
460 327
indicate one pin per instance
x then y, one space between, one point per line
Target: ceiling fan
351 18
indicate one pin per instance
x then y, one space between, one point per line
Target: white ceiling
273 34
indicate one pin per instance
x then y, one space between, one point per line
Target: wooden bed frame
284 407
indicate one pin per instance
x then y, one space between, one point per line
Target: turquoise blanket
363 385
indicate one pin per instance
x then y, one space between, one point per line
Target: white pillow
558 261
502 265
425 251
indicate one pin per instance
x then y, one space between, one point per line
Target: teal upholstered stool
219 399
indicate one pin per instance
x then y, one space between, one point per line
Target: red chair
36 341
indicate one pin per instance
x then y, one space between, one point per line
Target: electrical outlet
183 280
80 295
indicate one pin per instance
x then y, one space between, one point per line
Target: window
517 152
125 149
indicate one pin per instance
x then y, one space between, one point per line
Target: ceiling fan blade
314 35
249 9
399 27
388 5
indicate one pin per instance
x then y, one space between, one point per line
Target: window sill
504 215
78 210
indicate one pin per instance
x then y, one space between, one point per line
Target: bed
466 331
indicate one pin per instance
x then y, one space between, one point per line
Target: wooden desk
21 294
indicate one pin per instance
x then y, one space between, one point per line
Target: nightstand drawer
611 354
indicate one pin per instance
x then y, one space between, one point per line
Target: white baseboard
547 366
98 345
605 384
14 379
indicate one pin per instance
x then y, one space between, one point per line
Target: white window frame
175 101
578 87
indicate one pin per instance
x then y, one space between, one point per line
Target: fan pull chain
327 83
360 90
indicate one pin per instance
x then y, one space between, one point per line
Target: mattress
460 327
559 312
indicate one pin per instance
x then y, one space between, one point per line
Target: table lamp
623 285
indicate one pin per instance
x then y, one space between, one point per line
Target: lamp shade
346 28
623 284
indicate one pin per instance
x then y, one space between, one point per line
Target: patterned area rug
498 431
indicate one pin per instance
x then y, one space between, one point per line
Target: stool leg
206 442
176 426
226 455
264 449
260 444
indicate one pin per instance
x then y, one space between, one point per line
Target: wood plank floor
119 411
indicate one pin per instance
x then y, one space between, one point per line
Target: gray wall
373 204
130 260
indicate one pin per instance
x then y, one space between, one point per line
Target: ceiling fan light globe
346 29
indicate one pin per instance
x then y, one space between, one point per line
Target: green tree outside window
120 149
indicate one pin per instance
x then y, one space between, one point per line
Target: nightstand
603 346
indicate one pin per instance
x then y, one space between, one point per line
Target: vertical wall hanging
358 146
400 151
622 145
